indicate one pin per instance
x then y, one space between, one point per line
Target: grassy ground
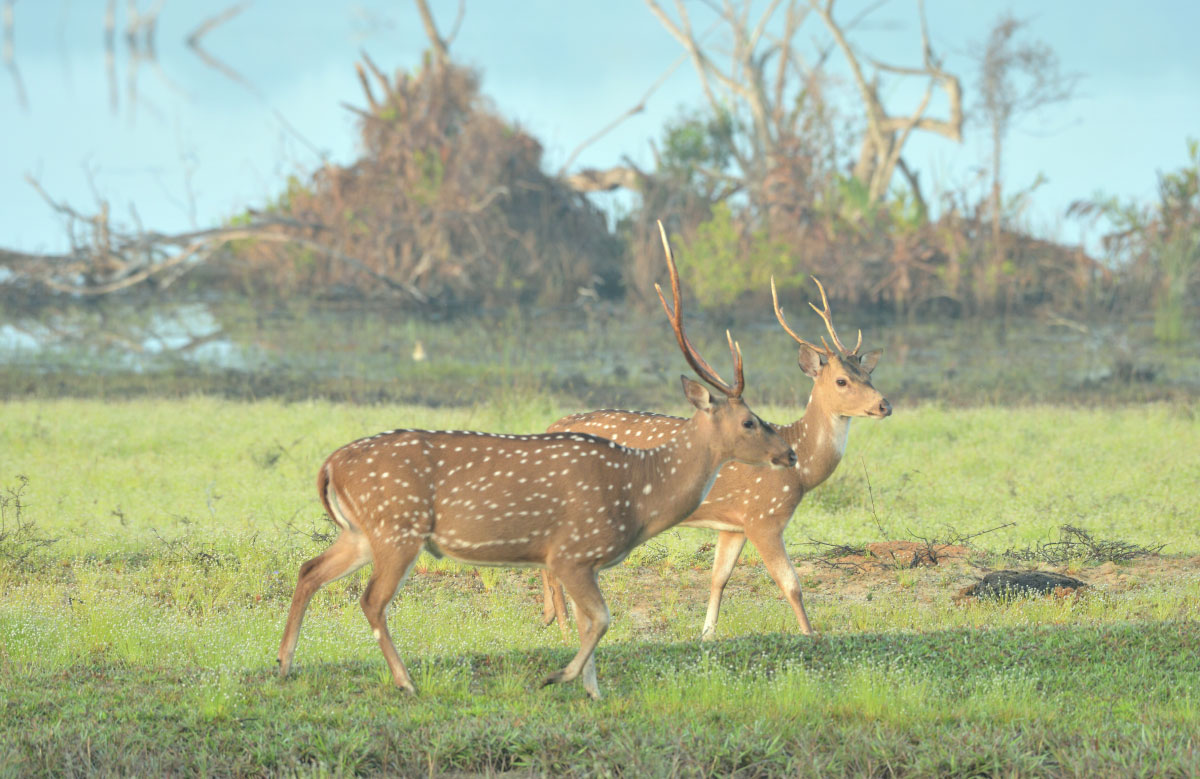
143 640
118 476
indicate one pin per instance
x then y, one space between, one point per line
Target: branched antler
702 368
825 315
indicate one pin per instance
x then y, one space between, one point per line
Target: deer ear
810 361
697 394
870 360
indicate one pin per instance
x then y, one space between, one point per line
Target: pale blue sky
561 69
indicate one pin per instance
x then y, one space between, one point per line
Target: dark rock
1010 584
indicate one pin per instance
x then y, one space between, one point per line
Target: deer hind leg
779 565
592 618
588 675
349 553
554 606
729 548
391 567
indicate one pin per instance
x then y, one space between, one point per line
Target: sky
195 147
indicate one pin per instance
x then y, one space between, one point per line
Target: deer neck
671 481
819 438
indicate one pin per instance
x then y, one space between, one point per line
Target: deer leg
554 607
391 568
349 553
770 547
590 685
547 598
592 618
729 548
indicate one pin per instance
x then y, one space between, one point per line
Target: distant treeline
449 206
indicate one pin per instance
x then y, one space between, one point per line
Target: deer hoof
553 678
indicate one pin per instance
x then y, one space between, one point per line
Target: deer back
738 494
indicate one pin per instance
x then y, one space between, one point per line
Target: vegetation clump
1078 545
447 205
20 538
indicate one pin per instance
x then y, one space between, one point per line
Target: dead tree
104 257
1015 77
885 136
759 77
763 74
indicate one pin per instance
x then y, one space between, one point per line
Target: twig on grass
19 537
1078 545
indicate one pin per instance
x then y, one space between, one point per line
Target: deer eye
748 424
841 382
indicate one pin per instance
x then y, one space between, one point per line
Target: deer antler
825 315
787 328
702 368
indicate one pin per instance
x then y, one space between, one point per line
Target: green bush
722 261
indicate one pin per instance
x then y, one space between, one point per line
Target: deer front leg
729 548
769 543
592 618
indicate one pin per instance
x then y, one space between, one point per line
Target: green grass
143 641
1076 701
116 476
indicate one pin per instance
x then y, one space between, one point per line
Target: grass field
143 639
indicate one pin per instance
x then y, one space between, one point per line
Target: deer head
724 417
841 377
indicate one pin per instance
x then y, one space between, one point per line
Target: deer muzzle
788 460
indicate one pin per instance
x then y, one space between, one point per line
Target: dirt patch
910 554
892 555
641 589
648 597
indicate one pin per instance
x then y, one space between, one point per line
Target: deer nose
885 408
786 461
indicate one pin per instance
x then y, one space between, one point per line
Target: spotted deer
571 503
745 503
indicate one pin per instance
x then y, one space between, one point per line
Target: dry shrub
942 267
448 204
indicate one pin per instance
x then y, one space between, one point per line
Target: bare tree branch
684 36
739 84
193 42
125 260
10 60
593 180
140 28
110 52
454 28
440 51
636 109
211 23
886 135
